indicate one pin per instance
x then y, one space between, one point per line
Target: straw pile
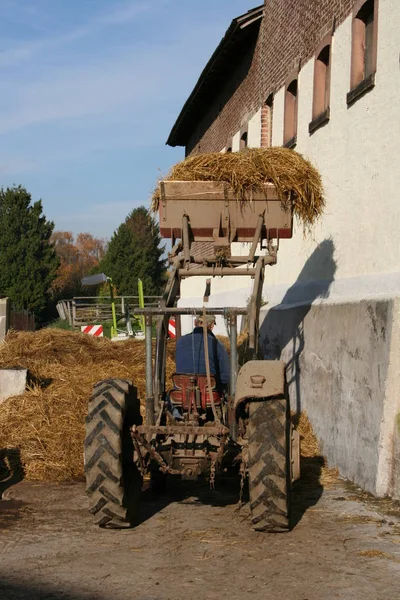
294 177
46 423
315 468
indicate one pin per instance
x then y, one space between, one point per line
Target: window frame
290 121
321 115
243 140
361 80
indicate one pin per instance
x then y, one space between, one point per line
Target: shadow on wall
282 326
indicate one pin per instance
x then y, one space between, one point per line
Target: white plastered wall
356 153
357 156
343 352
236 142
277 119
254 130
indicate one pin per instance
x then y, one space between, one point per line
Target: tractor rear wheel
113 482
269 464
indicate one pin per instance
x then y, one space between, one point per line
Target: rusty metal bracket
136 437
151 430
142 465
186 240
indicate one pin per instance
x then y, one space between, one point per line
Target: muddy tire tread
269 464
105 462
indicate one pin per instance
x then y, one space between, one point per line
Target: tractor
250 425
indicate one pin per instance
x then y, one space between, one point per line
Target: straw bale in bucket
294 177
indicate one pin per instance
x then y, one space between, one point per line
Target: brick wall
288 37
201 249
230 108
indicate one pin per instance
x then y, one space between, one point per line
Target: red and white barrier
172 328
96 330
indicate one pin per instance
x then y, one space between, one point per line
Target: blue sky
89 90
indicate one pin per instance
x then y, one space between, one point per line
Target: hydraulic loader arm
168 299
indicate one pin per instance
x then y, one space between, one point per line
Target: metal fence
97 309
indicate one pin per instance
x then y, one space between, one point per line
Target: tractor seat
191 389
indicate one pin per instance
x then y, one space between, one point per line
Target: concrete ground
192 543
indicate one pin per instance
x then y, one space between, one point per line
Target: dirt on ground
194 543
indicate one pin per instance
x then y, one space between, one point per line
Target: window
266 122
228 147
364 48
322 81
290 118
243 133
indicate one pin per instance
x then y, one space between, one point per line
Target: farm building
322 77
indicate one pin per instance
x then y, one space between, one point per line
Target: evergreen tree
28 262
134 252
